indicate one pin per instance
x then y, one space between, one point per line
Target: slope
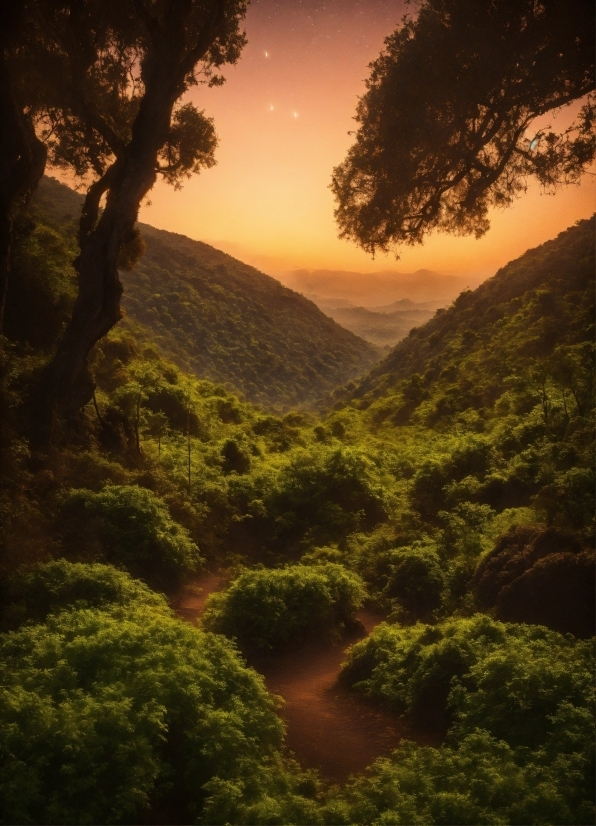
530 322
226 321
385 329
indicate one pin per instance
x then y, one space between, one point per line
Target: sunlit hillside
225 321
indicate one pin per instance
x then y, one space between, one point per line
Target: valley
376 563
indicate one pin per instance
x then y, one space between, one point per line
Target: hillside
223 320
454 488
520 322
385 329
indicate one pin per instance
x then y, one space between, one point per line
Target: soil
329 728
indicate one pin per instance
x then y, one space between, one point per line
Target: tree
445 126
124 135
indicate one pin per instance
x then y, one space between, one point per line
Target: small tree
157 426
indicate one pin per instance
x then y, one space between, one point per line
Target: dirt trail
328 727
189 602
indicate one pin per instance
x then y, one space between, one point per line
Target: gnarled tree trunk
67 384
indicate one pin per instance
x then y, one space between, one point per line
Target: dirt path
328 727
189 602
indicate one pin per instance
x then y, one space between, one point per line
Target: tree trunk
67 384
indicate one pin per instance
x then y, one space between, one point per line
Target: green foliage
127 525
115 716
482 781
518 703
42 286
477 423
415 582
267 609
324 495
32 593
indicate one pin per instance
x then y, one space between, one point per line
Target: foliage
267 609
518 701
415 582
34 592
445 126
482 781
126 714
456 476
127 525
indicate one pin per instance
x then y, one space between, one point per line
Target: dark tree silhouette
121 67
22 153
445 126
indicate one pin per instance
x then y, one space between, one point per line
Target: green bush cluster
128 526
267 609
32 593
517 704
123 714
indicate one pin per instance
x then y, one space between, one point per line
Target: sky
283 119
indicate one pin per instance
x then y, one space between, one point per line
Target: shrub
518 701
415 582
128 716
265 609
415 669
481 781
34 592
128 526
323 495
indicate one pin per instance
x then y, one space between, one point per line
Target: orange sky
282 119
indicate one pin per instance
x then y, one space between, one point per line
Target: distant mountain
374 288
225 321
383 328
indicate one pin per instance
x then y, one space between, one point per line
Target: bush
128 716
34 592
415 669
518 701
482 781
265 609
415 582
323 495
127 526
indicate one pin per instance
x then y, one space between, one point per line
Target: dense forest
451 489
218 318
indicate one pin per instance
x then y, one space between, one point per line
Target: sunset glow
283 119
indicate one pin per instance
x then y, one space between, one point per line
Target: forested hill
530 323
224 320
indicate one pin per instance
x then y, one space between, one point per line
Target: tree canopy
446 124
